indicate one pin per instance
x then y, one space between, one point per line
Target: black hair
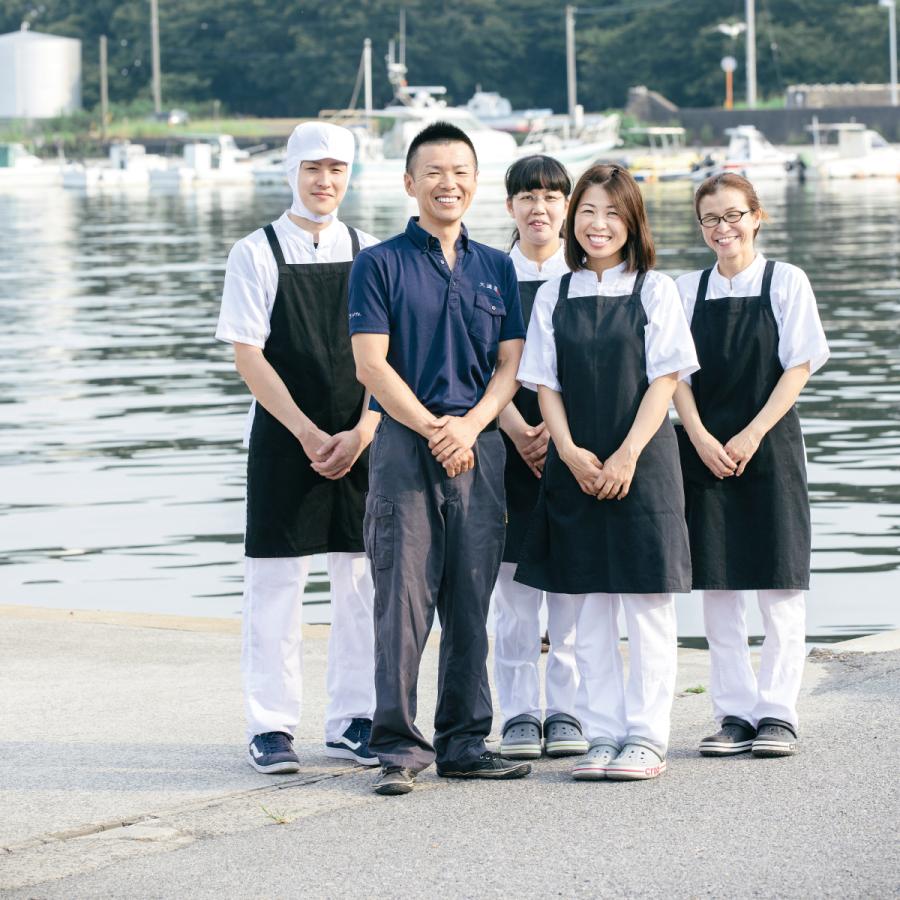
537 172
532 173
438 133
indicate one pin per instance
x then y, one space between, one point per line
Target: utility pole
751 53
571 74
367 78
104 88
892 41
154 45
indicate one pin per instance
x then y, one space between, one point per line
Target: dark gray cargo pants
434 543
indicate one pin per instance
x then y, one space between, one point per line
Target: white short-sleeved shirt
251 278
527 269
667 336
801 337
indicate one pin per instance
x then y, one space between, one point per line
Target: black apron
577 544
291 509
751 532
521 485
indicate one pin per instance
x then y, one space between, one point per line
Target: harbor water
121 465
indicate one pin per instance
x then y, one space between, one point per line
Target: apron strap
354 241
701 288
638 284
564 287
767 281
273 243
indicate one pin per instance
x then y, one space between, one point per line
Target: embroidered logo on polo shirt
354 315
490 287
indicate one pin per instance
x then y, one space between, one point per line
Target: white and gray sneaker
593 766
521 738
639 760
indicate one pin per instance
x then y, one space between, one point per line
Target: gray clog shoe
563 737
638 761
521 738
593 766
774 737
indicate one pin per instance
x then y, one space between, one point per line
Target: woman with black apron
759 338
606 346
284 308
537 196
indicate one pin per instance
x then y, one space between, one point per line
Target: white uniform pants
517 648
271 657
735 690
605 705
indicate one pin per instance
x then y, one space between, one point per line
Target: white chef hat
312 141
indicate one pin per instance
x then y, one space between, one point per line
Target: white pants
735 690
517 648
604 704
272 653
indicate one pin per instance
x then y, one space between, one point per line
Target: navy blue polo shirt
444 326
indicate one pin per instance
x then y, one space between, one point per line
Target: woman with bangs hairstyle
606 346
537 197
759 338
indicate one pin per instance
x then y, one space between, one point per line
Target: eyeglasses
732 216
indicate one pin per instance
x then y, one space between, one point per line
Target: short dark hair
731 180
438 133
626 197
532 173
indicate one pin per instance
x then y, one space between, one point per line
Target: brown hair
731 180
625 195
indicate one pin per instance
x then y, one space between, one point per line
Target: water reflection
122 474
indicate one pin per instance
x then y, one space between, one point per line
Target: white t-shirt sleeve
247 296
538 365
668 343
801 337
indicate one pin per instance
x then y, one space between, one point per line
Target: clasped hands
450 439
730 459
609 480
332 456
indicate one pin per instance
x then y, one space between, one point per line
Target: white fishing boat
216 161
850 150
129 166
20 169
497 112
750 154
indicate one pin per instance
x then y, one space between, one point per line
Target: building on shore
40 75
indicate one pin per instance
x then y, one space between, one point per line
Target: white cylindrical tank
40 75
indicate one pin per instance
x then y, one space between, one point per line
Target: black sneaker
735 736
774 737
354 744
273 753
488 765
393 780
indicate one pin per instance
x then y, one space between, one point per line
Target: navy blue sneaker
273 753
354 744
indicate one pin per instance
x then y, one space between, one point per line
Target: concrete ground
123 775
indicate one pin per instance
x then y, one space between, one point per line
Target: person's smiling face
442 179
599 228
732 242
539 215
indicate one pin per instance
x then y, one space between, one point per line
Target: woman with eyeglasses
759 338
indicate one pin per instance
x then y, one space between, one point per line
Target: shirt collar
742 283
552 266
325 238
425 241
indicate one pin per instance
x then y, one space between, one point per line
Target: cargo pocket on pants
383 549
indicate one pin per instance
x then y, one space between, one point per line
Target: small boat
216 161
129 166
750 154
859 152
665 156
20 169
497 112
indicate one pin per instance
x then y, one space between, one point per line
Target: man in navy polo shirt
437 334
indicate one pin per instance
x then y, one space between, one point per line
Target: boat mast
571 75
